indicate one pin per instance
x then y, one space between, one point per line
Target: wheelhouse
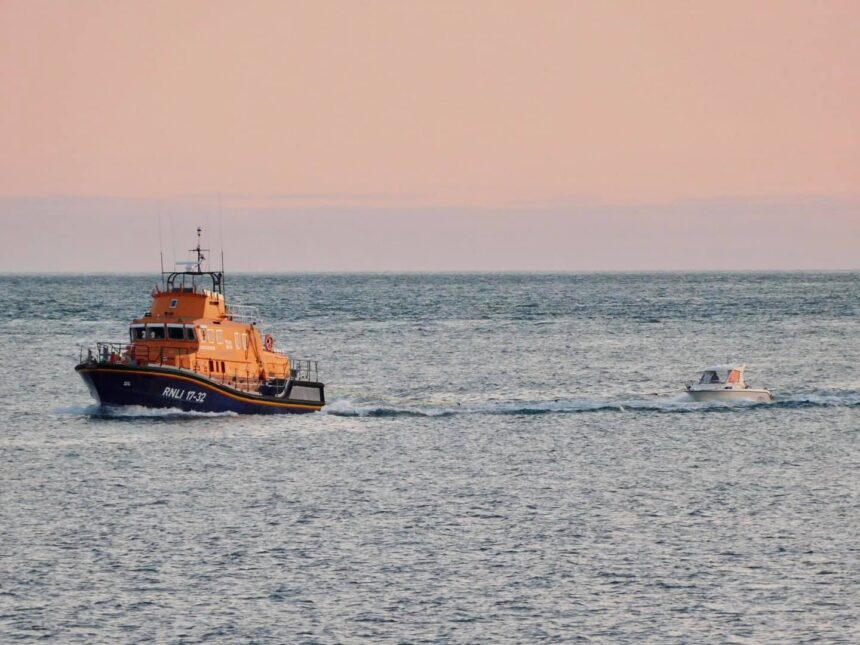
722 375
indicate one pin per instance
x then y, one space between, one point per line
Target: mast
194 268
199 251
161 251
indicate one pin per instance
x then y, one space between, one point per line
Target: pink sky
496 130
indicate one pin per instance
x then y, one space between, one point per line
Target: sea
504 458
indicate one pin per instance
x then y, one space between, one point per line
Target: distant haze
342 136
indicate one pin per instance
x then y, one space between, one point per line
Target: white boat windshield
709 376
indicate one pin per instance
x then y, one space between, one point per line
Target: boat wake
675 404
136 412
680 404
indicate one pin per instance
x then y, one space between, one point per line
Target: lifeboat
194 352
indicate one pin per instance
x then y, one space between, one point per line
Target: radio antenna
208 238
199 251
172 240
161 250
221 241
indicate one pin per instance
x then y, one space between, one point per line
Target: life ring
269 343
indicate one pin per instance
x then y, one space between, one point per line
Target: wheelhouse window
176 333
138 333
189 333
709 377
155 333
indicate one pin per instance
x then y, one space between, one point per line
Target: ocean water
504 459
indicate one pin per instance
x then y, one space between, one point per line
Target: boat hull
727 396
164 387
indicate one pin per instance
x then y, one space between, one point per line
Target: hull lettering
179 394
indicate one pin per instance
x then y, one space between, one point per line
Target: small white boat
725 383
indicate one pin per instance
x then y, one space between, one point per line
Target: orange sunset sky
372 135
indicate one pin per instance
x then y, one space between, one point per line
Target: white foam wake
680 403
134 412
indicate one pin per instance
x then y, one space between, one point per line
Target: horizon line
446 272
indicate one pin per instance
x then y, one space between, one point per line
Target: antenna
208 233
221 241
161 249
221 231
199 251
172 239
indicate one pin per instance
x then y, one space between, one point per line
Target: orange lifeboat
193 351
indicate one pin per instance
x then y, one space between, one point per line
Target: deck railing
304 370
246 379
112 352
106 352
244 313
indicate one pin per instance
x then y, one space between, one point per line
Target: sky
443 136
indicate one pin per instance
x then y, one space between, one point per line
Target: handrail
139 353
104 351
304 370
121 352
245 313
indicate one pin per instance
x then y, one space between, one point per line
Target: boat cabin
722 375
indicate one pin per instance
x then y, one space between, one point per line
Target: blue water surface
504 458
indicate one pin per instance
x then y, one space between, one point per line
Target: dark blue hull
165 387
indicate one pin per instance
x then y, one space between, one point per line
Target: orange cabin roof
191 305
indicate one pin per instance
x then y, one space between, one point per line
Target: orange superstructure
191 327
